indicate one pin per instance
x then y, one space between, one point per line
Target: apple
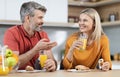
11 61
8 53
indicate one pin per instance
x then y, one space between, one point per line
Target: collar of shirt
26 34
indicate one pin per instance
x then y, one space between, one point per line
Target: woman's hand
76 44
105 66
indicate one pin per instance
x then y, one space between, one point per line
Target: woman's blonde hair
98 31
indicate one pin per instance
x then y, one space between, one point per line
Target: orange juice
83 38
83 47
4 71
42 59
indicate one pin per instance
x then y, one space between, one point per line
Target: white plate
21 71
74 70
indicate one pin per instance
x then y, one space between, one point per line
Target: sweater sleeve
106 50
67 64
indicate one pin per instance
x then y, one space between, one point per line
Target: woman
97 43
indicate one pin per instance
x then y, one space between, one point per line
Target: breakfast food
29 68
81 67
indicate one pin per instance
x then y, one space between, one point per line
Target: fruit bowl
7 60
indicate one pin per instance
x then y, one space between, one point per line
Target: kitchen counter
64 73
115 64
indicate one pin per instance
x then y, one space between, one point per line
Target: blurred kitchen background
61 20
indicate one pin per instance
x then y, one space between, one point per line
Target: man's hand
50 65
43 44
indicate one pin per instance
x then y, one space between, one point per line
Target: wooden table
63 73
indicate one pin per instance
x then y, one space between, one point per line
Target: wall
2 31
60 34
114 38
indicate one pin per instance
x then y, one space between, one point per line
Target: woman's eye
85 20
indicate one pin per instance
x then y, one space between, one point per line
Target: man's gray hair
28 8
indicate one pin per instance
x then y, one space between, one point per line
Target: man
29 39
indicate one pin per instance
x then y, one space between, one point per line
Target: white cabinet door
2 9
13 9
57 10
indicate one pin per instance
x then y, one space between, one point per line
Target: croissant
81 67
29 68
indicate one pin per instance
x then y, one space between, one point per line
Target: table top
64 73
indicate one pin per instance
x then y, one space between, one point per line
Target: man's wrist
35 49
55 64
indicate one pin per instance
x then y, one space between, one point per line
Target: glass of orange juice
42 58
83 39
4 70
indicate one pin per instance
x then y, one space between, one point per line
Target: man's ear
27 18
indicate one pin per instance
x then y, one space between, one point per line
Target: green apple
8 53
11 61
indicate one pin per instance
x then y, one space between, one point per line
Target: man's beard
38 29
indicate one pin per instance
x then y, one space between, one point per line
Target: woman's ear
94 26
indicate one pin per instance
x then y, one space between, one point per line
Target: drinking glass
83 38
4 70
100 63
42 58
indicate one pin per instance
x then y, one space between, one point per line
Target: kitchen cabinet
2 9
107 9
11 10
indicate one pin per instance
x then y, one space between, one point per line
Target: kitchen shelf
57 24
46 24
92 4
112 23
